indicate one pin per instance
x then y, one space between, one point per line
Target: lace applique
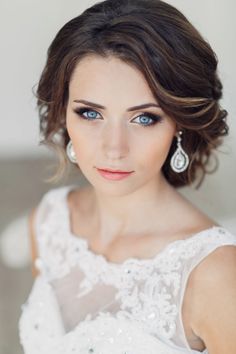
146 289
151 305
148 292
103 335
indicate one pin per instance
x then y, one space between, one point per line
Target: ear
177 129
176 132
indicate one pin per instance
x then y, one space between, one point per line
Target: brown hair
178 64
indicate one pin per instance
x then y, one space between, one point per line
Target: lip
113 171
114 175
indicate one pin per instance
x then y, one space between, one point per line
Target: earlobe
177 129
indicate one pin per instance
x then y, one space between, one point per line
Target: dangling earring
70 152
180 160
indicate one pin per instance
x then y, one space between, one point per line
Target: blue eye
91 115
145 119
148 119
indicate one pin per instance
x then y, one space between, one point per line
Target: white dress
82 303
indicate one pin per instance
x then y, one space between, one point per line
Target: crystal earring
180 160
70 152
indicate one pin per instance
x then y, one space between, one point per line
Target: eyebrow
96 105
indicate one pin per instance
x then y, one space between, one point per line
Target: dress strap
48 205
50 220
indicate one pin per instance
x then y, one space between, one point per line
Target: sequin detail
147 291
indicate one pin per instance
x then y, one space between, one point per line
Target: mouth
113 171
113 174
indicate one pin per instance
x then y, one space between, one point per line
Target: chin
111 188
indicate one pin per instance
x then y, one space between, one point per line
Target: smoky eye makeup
146 119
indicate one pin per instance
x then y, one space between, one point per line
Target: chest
126 247
127 300
137 291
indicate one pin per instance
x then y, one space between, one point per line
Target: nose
115 143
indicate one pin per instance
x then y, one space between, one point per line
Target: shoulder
56 192
213 299
217 267
36 213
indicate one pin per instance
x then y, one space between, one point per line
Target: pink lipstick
114 175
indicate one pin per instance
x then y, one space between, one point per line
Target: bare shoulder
213 300
216 266
32 236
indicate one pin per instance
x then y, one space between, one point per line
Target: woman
126 264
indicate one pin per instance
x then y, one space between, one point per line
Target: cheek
155 150
79 133
84 143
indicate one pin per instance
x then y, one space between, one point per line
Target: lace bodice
83 303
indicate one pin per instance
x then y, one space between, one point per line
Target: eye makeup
154 118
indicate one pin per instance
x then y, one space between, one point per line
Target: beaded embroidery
146 289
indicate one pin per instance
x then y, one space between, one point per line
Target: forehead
110 76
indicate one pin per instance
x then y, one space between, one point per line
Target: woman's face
115 136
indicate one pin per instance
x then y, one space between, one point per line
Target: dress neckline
83 240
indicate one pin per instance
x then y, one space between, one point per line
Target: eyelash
155 118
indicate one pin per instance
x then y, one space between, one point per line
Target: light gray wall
27 28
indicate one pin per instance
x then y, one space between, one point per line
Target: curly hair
179 65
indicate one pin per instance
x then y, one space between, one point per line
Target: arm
32 236
214 301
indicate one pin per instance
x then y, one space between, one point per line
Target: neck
131 213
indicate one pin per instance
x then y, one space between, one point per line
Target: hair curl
178 64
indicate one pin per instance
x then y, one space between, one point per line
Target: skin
141 214
116 138
127 217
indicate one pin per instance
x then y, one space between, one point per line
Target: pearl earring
70 152
180 160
